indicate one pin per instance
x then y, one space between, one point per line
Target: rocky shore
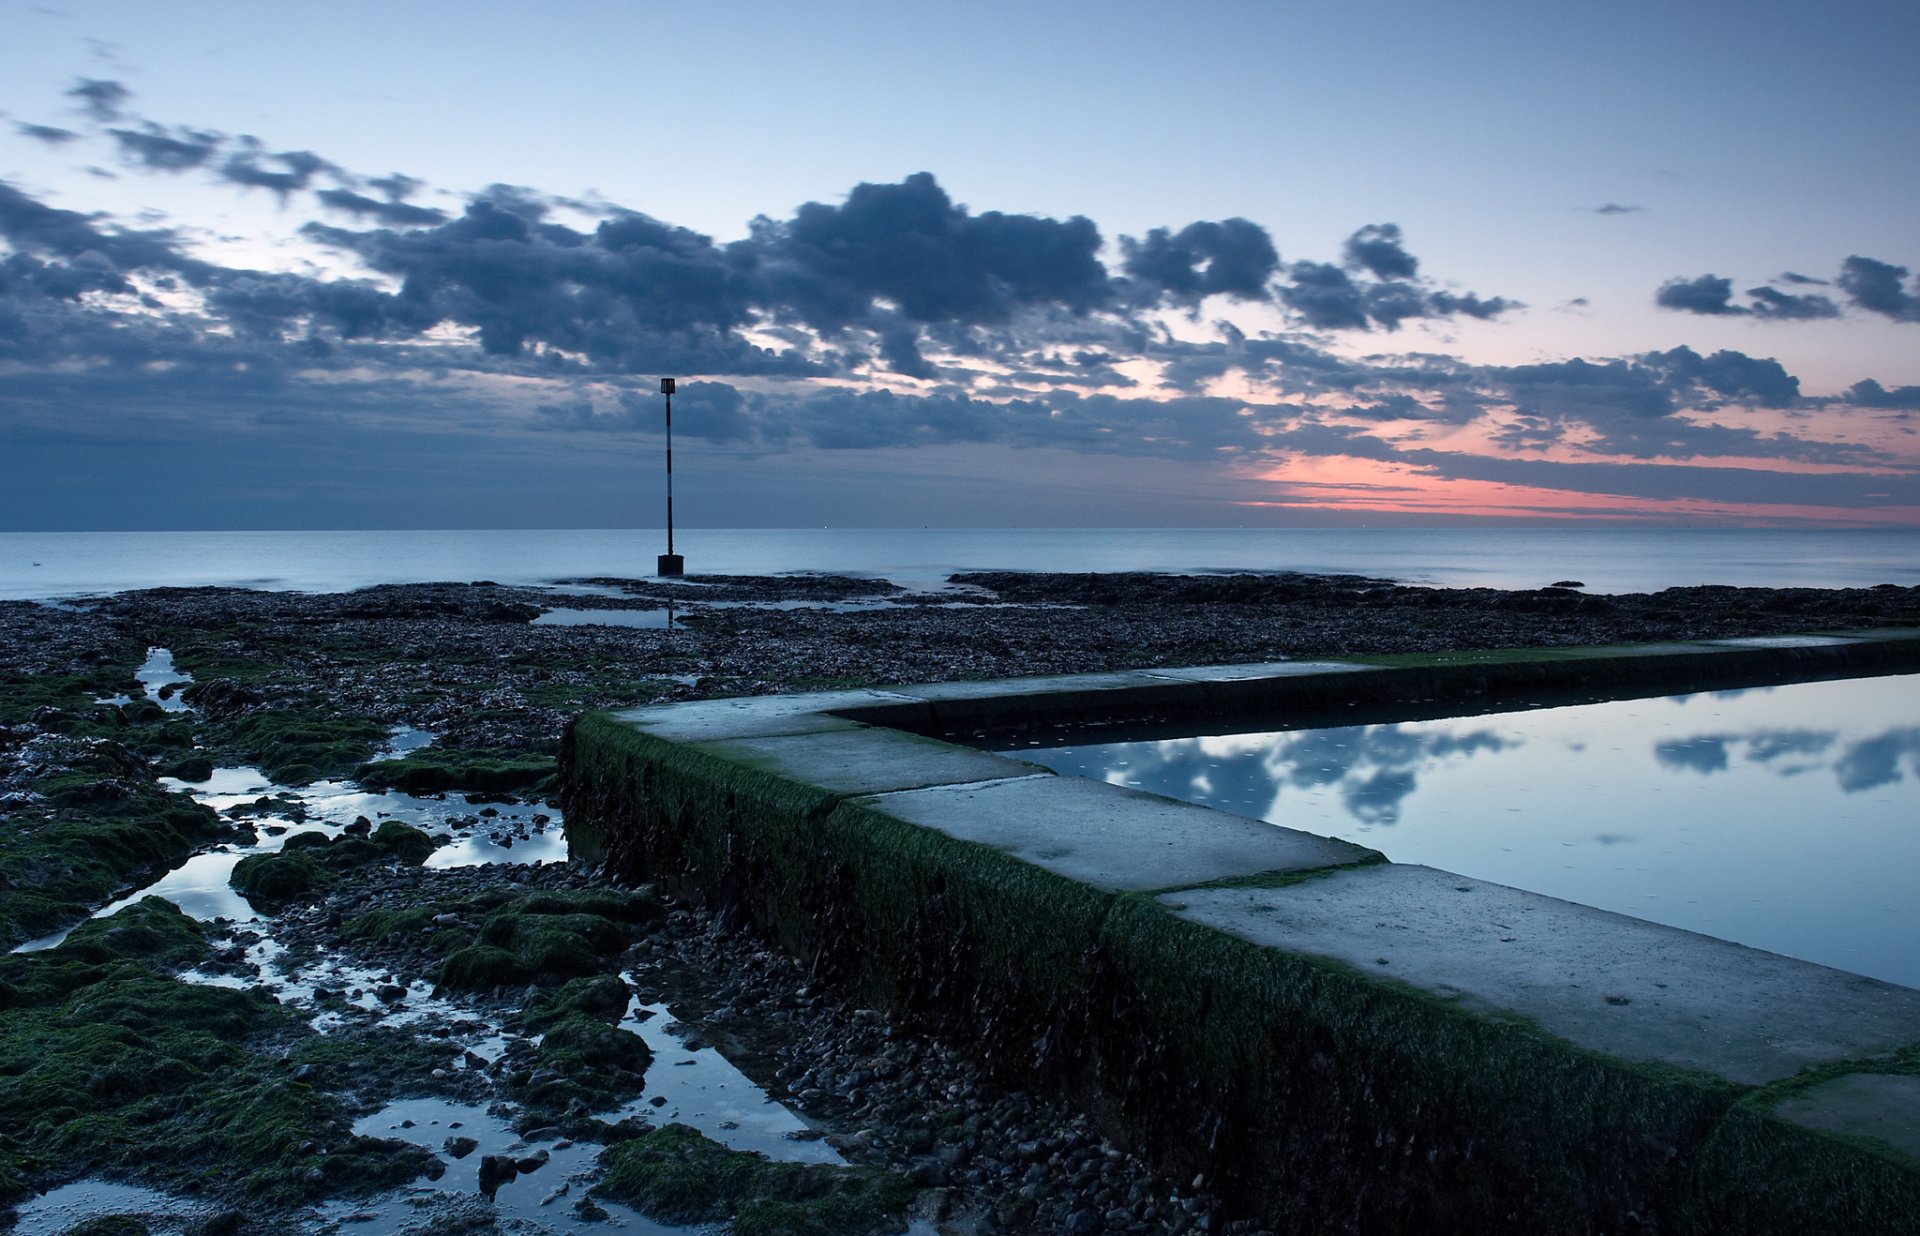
125 1067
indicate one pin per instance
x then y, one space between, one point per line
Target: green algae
604 997
544 938
678 1176
583 1060
100 828
311 863
110 1066
433 771
295 747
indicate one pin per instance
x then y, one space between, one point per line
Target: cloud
1325 297
1734 374
910 246
1712 296
1868 393
1233 257
391 213
1775 305
1377 249
1875 286
1614 208
160 149
102 100
46 133
282 173
1705 294
1328 297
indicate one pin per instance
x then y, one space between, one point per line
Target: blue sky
1333 263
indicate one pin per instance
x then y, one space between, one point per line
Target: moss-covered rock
580 1059
403 841
430 771
100 825
295 747
676 1175
604 997
109 1065
548 938
312 863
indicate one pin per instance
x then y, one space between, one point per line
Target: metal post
671 564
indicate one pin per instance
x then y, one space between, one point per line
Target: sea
52 566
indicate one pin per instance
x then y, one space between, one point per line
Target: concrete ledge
1342 1043
1612 984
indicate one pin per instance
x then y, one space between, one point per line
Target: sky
1107 265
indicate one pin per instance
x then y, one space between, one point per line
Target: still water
1786 818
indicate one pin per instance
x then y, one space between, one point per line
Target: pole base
673 565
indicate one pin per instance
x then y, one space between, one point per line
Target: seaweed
676 1175
109 1065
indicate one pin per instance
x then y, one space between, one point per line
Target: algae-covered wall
1313 1095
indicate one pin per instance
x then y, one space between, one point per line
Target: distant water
49 565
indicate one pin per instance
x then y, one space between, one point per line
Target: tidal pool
1785 818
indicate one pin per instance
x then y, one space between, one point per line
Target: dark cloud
1875 285
1870 394
1706 294
397 186
1614 208
910 246
1377 248
101 100
1787 307
45 133
1736 375
1325 297
281 173
1790 277
162 149
31 227
391 213
1233 257
1448 304
706 411
1712 296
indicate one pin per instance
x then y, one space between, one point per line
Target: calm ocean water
45 565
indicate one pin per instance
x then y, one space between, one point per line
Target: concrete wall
1341 1043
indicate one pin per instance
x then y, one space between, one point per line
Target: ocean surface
53 565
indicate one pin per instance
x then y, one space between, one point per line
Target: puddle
651 619
404 741
471 834
70 1205
701 1088
688 1082
540 1200
162 680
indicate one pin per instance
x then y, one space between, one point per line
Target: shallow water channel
1785 818
688 1081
